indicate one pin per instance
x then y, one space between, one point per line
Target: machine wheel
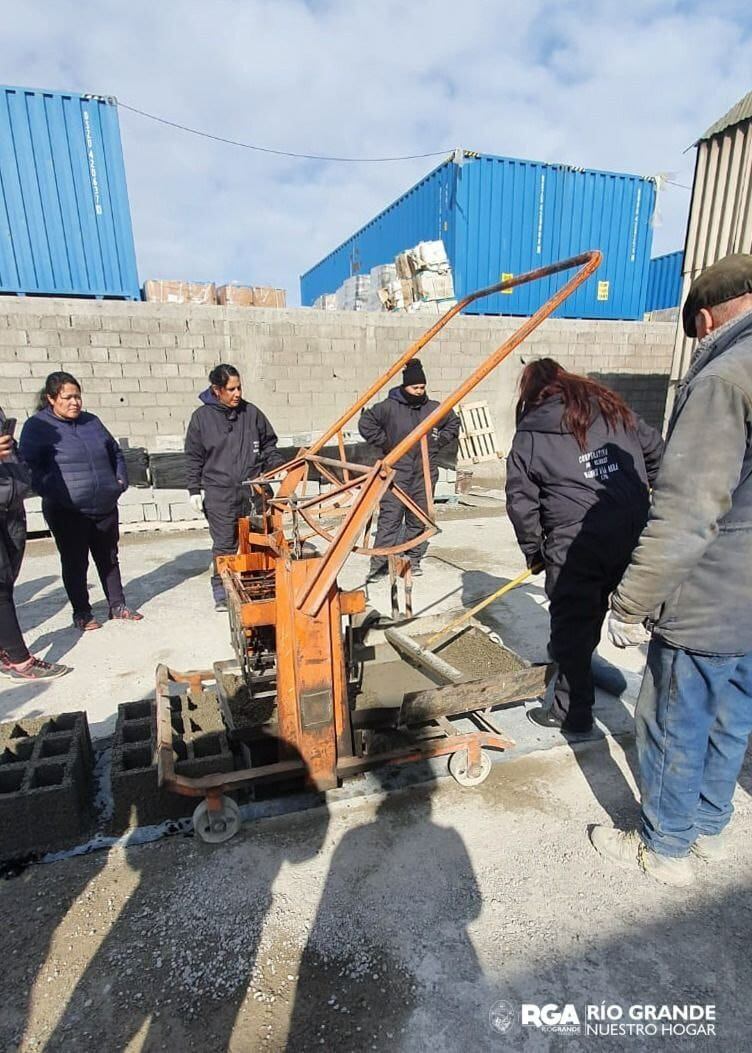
216 827
458 768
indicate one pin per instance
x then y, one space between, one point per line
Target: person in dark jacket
16 662
78 470
384 426
577 494
228 441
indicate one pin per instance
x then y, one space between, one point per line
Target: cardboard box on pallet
250 296
158 291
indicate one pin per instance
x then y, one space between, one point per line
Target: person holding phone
78 470
16 662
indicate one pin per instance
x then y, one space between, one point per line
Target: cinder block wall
142 365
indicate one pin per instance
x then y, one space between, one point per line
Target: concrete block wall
142 365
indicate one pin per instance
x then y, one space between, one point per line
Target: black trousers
76 535
223 507
12 545
396 523
581 574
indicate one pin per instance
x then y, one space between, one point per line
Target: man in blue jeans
691 578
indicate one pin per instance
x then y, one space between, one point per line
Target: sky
622 86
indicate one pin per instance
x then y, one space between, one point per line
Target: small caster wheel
458 768
216 827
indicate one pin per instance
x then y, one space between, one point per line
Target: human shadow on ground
522 622
174 969
47 894
139 591
378 953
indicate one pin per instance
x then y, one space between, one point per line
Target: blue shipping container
664 281
65 224
498 216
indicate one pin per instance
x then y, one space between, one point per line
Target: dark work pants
76 535
580 577
223 507
396 524
12 545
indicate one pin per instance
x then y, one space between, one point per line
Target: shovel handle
466 615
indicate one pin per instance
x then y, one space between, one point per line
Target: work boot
545 717
627 849
712 848
376 571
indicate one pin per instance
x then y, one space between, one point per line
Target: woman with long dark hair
78 470
228 441
578 478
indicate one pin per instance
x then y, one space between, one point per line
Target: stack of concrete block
200 746
45 784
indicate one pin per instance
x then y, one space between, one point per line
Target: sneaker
125 614
221 606
34 669
627 849
416 570
545 717
86 622
712 848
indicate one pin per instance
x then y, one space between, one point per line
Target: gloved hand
626 634
197 502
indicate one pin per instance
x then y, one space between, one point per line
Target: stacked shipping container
65 225
499 216
664 282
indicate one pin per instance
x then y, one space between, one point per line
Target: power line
680 185
279 153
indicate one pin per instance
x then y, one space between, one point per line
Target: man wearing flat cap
690 579
384 426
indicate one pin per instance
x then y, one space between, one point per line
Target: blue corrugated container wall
664 281
498 216
65 224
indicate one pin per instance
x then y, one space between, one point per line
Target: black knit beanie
413 373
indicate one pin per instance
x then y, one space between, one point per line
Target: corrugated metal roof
741 112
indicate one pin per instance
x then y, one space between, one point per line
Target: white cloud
625 87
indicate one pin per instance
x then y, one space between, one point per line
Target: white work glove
197 502
626 634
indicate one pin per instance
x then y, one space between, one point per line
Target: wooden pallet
477 434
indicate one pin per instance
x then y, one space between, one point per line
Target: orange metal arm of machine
355 496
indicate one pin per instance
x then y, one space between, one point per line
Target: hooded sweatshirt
554 487
387 423
224 447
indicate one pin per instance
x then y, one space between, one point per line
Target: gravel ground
387 923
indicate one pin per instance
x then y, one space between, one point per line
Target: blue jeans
693 720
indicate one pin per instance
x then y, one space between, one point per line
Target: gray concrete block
200 747
45 780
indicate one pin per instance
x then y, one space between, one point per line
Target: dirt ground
391 923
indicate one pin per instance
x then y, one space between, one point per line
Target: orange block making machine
293 627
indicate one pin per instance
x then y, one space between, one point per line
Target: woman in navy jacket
78 470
